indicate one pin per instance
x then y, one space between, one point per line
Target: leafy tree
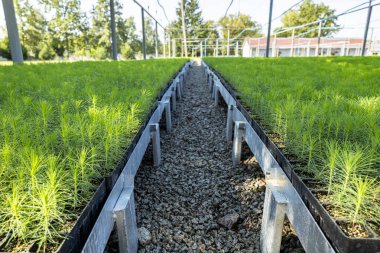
150 34
127 52
309 12
100 31
32 27
5 50
196 27
236 24
65 24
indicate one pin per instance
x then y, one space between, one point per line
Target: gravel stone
144 236
229 220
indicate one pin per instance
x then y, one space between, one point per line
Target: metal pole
183 26
319 38
292 48
164 44
269 28
174 54
205 47
366 28
228 42
201 48
217 47
113 30
143 33
14 40
169 47
156 39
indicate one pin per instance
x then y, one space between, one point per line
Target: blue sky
257 9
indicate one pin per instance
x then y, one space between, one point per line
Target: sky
258 9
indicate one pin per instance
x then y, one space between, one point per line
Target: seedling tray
341 242
77 237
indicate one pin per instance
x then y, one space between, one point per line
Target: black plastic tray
340 242
77 237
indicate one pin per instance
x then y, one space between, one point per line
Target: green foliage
194 23
326 111
309 12
63 127
236 23
127 52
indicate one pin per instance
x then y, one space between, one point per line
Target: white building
253 47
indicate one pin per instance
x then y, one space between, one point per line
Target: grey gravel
182 201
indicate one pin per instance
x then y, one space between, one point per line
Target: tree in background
195 26
238 26
65 24
32 27
309 12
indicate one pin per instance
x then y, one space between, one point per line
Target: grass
62 128
327 112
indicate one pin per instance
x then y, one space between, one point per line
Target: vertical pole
269 28
319 38
366 28
164 44
201 48
156 41
11 23
205 47
169 47
258 48
113 30
174 53
217 47
237 49
183 26
228 42
143 33
292 48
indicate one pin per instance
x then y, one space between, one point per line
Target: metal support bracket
178 88
210 84
275 205
168 114
216 95
230 123
155 137
125 216
174 98
238 140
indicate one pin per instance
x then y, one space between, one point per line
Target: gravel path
182 203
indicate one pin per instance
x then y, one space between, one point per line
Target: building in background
285 47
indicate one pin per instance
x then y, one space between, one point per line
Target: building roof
304 42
